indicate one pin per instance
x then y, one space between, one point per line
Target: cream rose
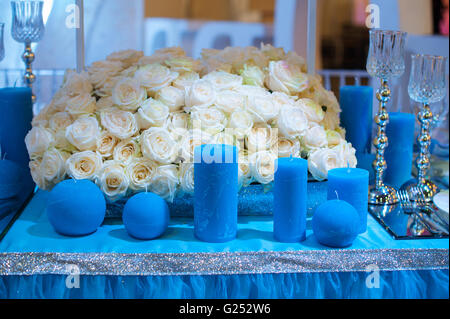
187 178
104 103
113 180
261 139
106 144
154 77
60 121
330 121
76 83
84 165
126 151
223 80
288 147
227 137
194 138
262 108
287 78
121 124
241 122
83 133
262 166
172 97
128 94
38 140
228 101
321 161
101 71
152 113
210 120
252 75
315 137
140 173
36 174
165 182
186 80
183 64
245 174
81 104
333 138
126 57
312 110
347 154
158 144
200 95
292 122
53 166
177 124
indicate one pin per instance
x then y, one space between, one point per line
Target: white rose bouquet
130 123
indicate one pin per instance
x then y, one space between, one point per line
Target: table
36 262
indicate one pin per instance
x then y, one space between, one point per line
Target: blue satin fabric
397 284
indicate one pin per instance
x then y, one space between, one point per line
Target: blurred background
341 46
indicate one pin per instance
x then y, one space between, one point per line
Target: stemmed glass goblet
426 85
27 27
385 60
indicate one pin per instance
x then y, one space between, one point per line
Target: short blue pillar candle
356 116
351 185
399 153
290 199
215 192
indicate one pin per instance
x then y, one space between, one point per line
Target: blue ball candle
290 199
76 207
335 224
356 116
399 154
351 185
146 216
215 192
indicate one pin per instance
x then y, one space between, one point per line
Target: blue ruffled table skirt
34 263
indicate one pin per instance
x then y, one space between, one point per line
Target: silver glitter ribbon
223 263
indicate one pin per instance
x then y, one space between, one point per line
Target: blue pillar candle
16 114
352 186
215 192
290 199
399 153
356 116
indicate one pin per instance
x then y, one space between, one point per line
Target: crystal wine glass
27 27
385 61
426 85
2 46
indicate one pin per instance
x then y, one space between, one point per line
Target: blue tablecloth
34 260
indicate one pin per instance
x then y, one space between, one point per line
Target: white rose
157 144
36 174
38 140
183 64
200 95
282 99
261 139
152 113
177 124
241 122
223 80
186 80
53 166
154 77
285 77
140 173
210 120
321 161
250 90
165 182
315 137
60 121
245 174
127 57
292 122
187 177
228 101
288 147
262 166
83 133
128 94
106 144
101 71
333 138
252 75
347 154
76 83
104 103
84 165
331 121
108 86
227 137
113 180
81 104
194 138
121 124
312 110
172 97
126 151
262 108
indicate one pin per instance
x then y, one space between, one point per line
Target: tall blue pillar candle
16 113
356 116
399 154
290 199
215 192
352 186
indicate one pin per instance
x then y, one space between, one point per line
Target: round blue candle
16 112
290 199
356 116
399 154
352 186
215 192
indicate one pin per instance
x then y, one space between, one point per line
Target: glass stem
425 117
381 141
